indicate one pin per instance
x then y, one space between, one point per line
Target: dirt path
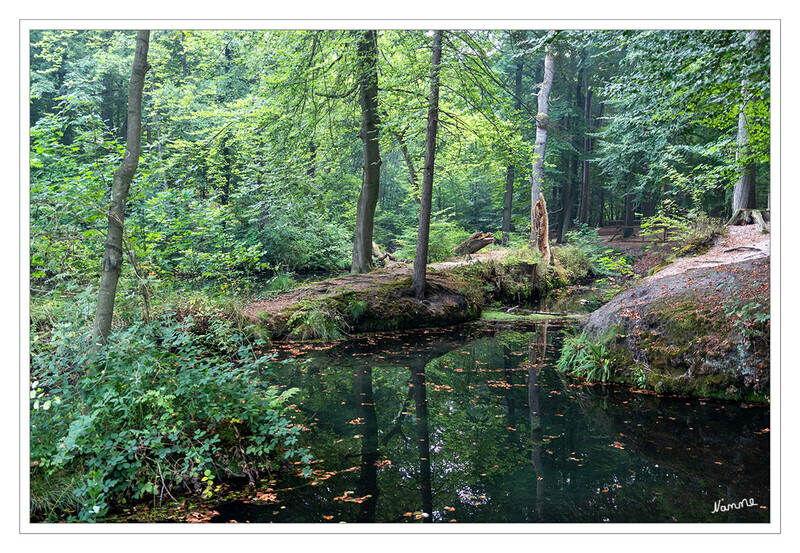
740 243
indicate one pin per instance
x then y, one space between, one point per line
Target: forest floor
737 244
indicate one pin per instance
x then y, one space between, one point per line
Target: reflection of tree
537 355
365 408
423 441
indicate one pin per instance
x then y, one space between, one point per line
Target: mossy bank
381 300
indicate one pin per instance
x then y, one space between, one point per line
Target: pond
474 424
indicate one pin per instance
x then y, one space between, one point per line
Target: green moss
529 317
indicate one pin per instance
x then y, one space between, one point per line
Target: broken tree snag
750 217
541 229
476 242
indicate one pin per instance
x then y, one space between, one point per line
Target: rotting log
376 251
474 243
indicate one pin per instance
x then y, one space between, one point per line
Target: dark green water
474 424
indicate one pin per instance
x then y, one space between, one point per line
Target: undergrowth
166 406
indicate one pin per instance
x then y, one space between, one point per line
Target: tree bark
540 146
541 222
587 148
627 232
112 260
370 185
744 191
423 232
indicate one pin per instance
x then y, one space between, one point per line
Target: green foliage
585 254
582 357
445 235
693 232
673 109
155 411
639 376
356 307
750 318
577 262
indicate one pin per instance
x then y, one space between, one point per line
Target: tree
587 146
421 255
744 191
112 260
368 199
542 122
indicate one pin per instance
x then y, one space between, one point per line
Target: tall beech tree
370 184
744 191
423 231
112 260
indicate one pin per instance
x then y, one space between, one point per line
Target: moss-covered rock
701 333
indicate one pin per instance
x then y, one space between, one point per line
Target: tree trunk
112 260
542 121
628 222
511 171
744 191
370 186
587 148
157 121
421 255
412 172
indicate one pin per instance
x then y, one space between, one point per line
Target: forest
178 177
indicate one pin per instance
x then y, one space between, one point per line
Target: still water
475 425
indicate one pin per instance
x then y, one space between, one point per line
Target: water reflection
368 476
475 425
537 353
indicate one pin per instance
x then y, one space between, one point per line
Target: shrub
693 232
585 255
154 411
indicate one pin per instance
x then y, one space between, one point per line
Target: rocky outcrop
704 332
